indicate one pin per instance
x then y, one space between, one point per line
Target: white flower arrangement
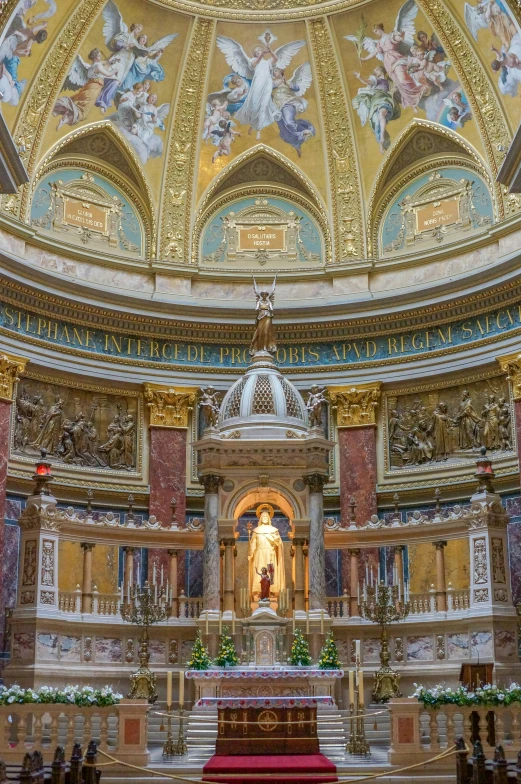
486 695
70 695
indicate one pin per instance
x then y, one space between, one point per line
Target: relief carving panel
450 423
77 427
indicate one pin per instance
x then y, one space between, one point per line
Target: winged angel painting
258 93
124 79
495 16
413 75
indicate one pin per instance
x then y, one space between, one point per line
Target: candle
321 621
294 621
169 689
138 575
181 688
220 622
207 622
357 651
351 687
307 622
358 593
361 689
366 573
154 573
161 575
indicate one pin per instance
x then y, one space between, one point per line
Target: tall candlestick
169 689
351 687
181 688
154 574
361 688
161 575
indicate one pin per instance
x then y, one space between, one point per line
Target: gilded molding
169 407
355 406
345 184
259 10
178 185
42 96
478 88
11 368
511 365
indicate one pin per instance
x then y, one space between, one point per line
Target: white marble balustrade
108 604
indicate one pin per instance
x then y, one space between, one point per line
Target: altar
276 682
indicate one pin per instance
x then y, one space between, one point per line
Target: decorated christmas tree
328 659
300 656
227 655
200 659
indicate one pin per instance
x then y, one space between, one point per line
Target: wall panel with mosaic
81 208
264 232
442 206
448 424
98 429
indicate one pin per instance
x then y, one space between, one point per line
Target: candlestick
169 689
351 687
181 688
361 688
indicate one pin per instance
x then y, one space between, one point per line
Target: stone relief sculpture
76 427
316 405
448 424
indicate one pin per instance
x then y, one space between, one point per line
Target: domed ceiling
235 127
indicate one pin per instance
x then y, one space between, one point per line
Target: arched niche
249 495
262 174
423 149
98 161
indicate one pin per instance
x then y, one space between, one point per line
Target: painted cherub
214 116
225 135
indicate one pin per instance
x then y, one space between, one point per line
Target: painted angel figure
392 49
258 110
264 336
128 44
493 14
87 78
288 99
138 122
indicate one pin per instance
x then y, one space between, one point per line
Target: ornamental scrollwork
10 370
345 192
511 365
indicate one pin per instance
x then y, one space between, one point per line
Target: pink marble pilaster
167 473
5 414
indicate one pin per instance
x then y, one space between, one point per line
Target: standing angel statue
209 405
264 336
315 405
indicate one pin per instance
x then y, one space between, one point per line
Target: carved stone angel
209 405
264 336
315 405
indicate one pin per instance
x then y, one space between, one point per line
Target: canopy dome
263 399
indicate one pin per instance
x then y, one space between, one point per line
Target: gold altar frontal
267 730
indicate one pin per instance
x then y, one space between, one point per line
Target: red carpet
292 766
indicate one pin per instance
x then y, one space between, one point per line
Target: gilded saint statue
264 337
266 557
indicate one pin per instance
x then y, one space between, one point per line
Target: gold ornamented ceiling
163 97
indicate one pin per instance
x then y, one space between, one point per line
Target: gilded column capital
316 482
169 407
11 368
511 365
211 483
355 406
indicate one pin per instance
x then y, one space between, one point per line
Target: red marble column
517 411
10 370
355 409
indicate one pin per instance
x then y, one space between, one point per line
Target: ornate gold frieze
259 10
355 406
511 365
434 425
169 407
42 95
346 201
179 180
11 368
477 85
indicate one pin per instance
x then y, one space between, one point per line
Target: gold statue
266 552
264 337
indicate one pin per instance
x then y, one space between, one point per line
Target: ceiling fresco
139 66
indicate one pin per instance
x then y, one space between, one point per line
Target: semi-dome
262 399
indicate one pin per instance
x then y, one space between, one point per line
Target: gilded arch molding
137 191
252 493
388 183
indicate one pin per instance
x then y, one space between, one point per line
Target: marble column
511 365
172 579
229 587
441 588
128 570
398 559
317 552
86 589
300 585
211 555
355 410
355 585
10 370
169 411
